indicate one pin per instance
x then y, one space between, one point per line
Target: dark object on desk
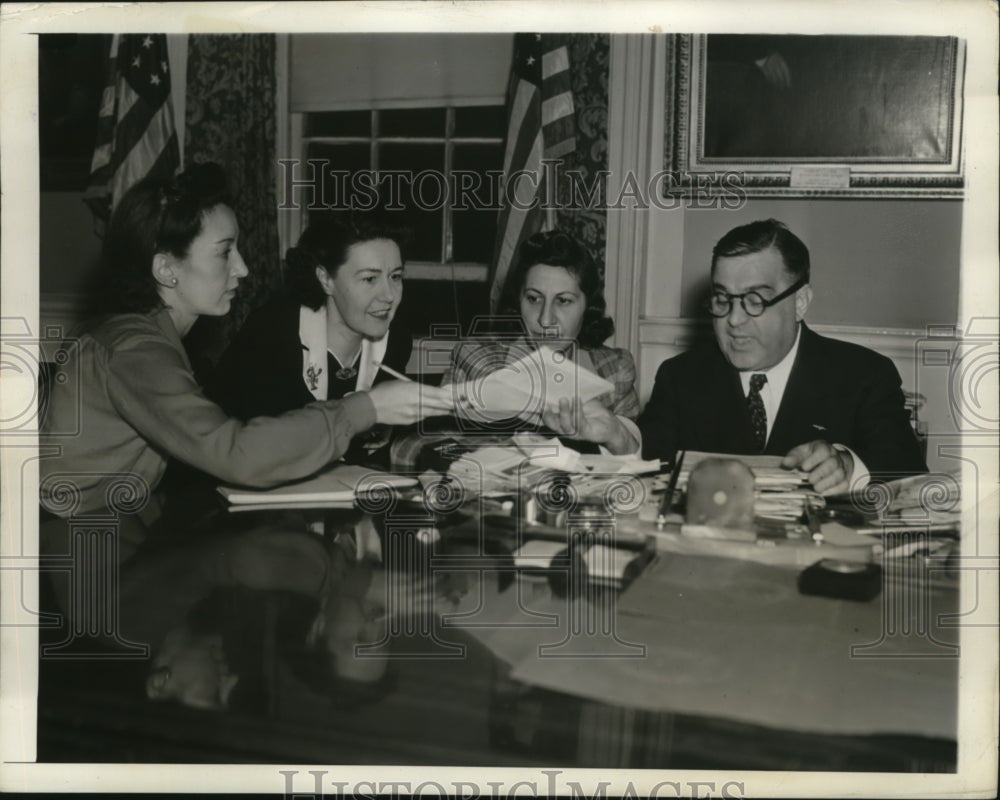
846 580
667 502
720 494
843 510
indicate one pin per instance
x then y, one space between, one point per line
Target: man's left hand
829 469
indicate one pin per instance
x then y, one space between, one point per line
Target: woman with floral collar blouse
327 335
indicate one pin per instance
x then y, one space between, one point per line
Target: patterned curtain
589 65
231 120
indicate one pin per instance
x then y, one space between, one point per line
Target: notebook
338 484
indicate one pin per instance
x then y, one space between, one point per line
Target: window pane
329 159
474 227
412 122
480 121
478 157
422 191
427 303
339 123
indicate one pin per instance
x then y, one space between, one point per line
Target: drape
589 58
230 119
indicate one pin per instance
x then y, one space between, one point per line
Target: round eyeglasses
720 303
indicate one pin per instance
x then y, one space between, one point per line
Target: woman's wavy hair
157 215
558 249
325 243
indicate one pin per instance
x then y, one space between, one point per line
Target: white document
538 380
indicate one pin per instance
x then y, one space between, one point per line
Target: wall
68 256
880 263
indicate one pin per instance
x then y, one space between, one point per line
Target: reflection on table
487 633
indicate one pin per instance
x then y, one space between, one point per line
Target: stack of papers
496 470
768 473
336 486
778 493
550 452
530 458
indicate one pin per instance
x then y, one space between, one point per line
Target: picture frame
815 116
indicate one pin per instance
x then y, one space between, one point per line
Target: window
437 169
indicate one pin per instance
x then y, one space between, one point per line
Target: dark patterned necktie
758 416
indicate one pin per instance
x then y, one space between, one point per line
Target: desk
757 676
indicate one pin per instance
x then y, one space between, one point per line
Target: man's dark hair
758 236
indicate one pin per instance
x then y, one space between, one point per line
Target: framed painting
795 115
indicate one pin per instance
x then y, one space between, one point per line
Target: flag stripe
555 107
522 225
136 123
540 123
145 152
557 84
554 62
520 221
524 101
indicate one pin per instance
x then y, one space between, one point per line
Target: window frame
447 269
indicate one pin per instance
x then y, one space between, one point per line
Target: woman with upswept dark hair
133 401
554 292
557 249
554 297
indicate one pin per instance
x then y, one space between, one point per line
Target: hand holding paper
528 387
589 421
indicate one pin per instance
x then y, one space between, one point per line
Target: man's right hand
592 422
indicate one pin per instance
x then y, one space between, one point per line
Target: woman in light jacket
172 251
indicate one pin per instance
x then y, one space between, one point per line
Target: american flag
135 133
540 124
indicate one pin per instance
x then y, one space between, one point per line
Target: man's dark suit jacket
840 392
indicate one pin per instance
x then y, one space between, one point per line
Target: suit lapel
729 415
802 400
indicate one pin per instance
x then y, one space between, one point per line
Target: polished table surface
702 661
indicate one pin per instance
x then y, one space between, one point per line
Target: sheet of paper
537 380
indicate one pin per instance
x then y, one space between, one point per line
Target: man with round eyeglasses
768 384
